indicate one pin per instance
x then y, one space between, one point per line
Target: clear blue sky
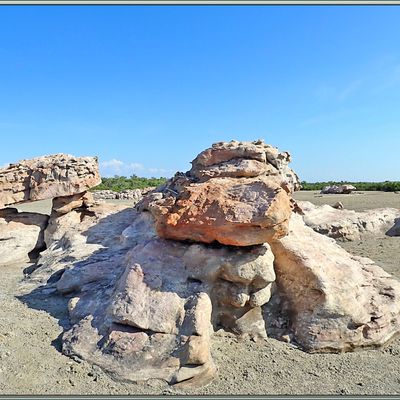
148 87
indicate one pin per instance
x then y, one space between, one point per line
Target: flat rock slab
47 177
345 224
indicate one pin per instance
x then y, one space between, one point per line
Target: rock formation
216 247
336 301
47 177
144 307
235 194
245 160
134 194
347 224
341 189
21 235
62 177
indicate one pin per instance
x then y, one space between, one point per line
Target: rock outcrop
47 177
144 307
135 194
341 189
245 160
347 224
21 235
236 194
217 247
337 302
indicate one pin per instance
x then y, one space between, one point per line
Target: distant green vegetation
387 186
120 183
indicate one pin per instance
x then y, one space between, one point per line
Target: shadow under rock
395 229
46 297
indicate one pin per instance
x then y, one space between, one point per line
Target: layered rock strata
235 194
47 177
62 177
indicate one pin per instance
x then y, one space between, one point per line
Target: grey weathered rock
245 160
21 234
395 229
47 177
144 307
135 194
347 224
341 189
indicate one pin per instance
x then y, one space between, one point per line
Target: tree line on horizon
120 183
387 186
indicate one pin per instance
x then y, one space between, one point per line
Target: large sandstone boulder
21 235
47 177
236 193
231 211
344 224
336 301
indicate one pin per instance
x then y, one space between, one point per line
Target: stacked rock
150 313
47 177
236 193
216 247
61 177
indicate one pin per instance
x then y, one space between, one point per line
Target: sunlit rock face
47 177
236 193
221 246
337 301
348 225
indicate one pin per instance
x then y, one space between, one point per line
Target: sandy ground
31 363
358 201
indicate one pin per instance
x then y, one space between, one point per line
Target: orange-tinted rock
237 193
238 212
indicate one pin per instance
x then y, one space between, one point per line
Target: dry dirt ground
31 362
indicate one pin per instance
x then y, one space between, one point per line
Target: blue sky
146 88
